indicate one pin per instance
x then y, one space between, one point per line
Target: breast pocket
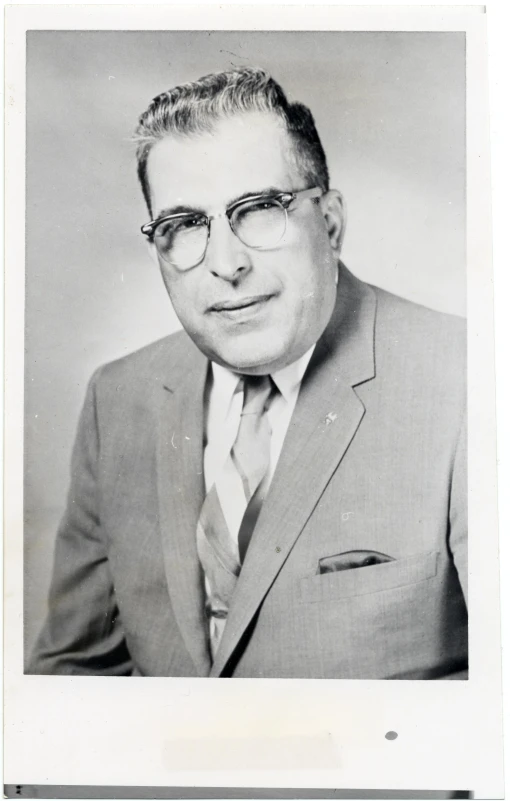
368 580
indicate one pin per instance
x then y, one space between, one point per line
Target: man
279 490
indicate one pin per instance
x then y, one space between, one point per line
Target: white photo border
263 733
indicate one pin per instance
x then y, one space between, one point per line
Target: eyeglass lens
182 241
257 223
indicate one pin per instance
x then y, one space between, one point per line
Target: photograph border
341 724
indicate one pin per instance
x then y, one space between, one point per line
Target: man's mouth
239 304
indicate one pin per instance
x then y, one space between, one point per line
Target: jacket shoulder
154 362
418 347
422 328
396 311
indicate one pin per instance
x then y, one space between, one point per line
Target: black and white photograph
278 490
246 411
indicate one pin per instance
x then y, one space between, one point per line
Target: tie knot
257 389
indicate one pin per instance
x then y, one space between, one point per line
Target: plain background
389 108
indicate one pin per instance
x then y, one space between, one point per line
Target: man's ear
333 209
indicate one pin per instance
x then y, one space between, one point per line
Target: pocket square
352 559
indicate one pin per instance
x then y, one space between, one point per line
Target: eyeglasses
259 222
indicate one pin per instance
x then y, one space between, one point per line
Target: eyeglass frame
284 198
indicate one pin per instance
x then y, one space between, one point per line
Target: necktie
232 505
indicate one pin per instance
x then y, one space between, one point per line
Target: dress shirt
223 415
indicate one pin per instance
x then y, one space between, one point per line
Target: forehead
246 153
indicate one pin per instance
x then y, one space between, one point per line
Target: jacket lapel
326 418
181 493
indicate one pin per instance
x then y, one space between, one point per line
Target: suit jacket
374 459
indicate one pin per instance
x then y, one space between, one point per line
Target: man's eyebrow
267 190
182 209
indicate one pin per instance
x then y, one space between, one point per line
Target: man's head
256 302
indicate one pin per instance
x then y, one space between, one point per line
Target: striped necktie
232 505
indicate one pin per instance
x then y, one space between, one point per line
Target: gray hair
195 107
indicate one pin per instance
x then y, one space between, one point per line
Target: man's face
279 300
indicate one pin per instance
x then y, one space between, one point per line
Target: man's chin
257 362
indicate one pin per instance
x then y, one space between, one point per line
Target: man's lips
241 303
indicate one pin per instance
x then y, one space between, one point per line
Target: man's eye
263 205
180 225
260 206
188 222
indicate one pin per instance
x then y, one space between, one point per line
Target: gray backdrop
390 111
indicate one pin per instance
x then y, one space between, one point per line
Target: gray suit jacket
374 459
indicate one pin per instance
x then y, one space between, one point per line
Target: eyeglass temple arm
148 228
309 193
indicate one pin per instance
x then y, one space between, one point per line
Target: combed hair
196 107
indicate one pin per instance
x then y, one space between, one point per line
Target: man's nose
226 256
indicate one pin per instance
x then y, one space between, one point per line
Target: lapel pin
330 418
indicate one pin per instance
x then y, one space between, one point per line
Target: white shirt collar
287 379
